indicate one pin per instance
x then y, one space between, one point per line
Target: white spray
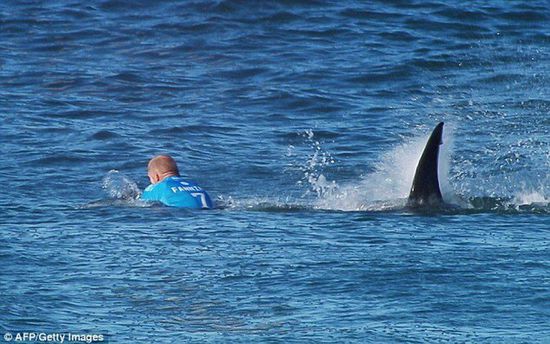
389 185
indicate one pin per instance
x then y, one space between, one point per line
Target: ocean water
304 120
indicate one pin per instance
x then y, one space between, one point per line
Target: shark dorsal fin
425 187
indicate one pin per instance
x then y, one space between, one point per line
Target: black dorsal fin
425 187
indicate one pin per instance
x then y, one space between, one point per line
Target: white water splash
316 162
529 197
389 186
119 186
121 191
260 203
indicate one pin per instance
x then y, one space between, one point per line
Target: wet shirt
178 192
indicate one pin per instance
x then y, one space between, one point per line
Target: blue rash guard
178 192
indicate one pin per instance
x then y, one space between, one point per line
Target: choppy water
304 120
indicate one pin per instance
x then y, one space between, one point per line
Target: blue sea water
304 120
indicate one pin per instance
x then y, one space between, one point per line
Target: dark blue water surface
305 121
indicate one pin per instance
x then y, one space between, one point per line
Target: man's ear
157 177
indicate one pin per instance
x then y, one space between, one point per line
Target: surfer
169 188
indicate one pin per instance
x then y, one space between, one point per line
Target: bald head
160 167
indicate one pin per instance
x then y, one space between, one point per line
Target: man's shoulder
181 184
154 191
180 181
150 188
